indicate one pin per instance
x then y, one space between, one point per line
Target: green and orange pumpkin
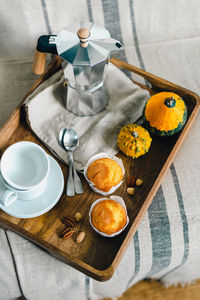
134 140
165 114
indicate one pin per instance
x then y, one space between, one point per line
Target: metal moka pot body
85 49
85 91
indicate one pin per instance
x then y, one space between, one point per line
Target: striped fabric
162 37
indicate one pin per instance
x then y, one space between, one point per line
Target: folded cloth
46 115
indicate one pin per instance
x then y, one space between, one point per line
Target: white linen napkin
46 115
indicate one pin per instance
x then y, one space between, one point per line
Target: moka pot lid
85 44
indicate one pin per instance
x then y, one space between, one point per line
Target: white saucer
43 203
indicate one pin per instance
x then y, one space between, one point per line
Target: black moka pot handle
45 45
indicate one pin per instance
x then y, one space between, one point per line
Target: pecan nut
67 232
69 221
131 181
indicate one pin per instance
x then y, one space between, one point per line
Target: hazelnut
130 190
139 182
80 237
78 216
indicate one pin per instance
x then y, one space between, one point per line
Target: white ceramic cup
24 170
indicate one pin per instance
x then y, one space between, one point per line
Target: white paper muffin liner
117 199
96 157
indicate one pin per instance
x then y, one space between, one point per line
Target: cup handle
8 197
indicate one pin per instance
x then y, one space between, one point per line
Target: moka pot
85 51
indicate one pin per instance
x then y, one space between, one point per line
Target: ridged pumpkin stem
134 134
170 102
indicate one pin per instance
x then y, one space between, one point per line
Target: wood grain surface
97 256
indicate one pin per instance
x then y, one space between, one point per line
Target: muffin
108 216
104 173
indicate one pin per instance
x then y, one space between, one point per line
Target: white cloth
47 115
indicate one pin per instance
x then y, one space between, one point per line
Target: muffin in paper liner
116 199
91 184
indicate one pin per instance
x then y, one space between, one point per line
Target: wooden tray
96 256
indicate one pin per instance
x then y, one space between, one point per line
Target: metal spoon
69 141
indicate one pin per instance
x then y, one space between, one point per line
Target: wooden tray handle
39 62
155 81
148 76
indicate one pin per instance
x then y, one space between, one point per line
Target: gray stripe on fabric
159 227
112 24
160 234
135 37
137 258
183 218
14 263
89 7
46 17
87 288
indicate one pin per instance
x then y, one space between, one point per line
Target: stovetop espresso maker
85 51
